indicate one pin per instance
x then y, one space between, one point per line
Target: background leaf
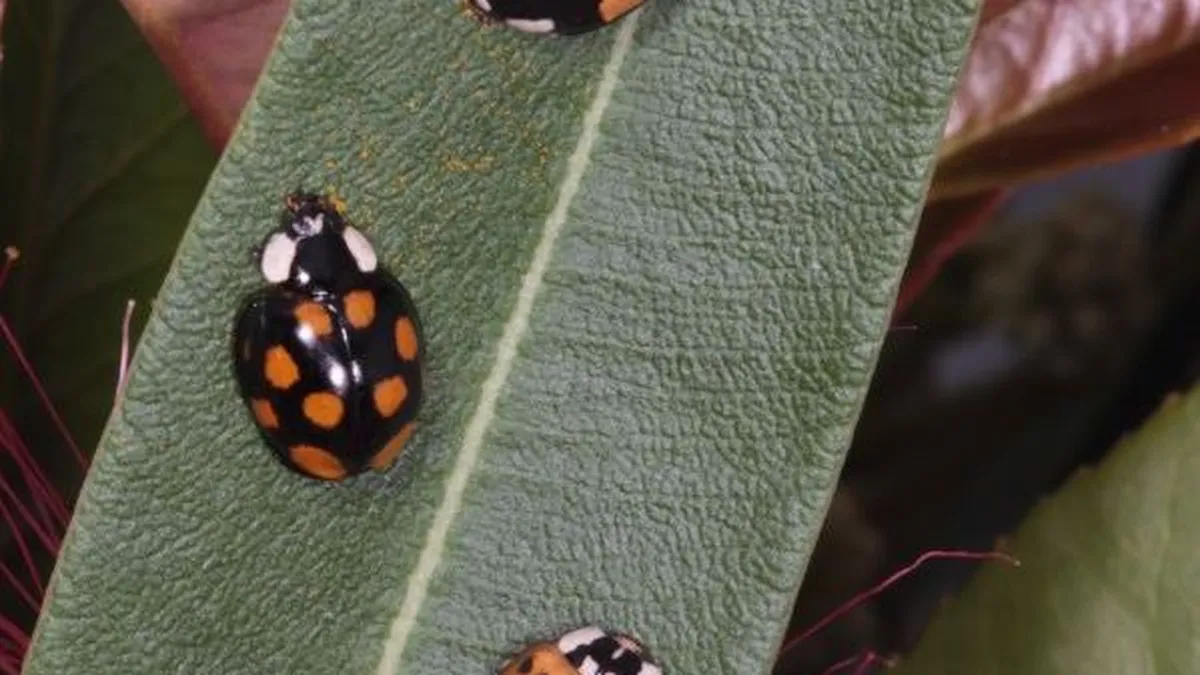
945 227
214 49
101 166
655 264
1107 582
1053 85
1050 86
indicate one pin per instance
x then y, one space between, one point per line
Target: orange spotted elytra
328 357
583 651
560 17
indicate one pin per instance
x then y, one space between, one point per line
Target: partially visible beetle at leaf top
328 357
560 17
584 651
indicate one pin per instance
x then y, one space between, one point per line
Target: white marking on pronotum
579 637
277 256
532 25
484 5
506 351
361 249
629 643
313 225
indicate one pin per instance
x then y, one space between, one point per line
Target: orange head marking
540 659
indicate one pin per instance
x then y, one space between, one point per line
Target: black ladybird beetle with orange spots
562 17
584 651
329 356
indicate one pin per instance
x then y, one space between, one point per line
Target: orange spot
316 462
323 409
390 395
611 10
542 659
406 338
264 413
360 308
280 369
383 460
315 317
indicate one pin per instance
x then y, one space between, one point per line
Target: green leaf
655 265
100 168
1107 582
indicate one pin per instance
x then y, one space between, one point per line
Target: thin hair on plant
123 363
866 659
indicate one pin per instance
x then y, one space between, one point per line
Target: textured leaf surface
1107 582
98 180
655 265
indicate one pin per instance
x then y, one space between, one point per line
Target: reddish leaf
993 8
1052 85
1049 86
214 50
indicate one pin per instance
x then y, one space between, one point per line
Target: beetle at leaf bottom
584 651
328 357
560 17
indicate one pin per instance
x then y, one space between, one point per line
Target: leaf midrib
506 351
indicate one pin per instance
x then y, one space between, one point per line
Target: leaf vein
147 143
506 351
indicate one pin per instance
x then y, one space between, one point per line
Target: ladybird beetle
562 17
584 651
328 357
